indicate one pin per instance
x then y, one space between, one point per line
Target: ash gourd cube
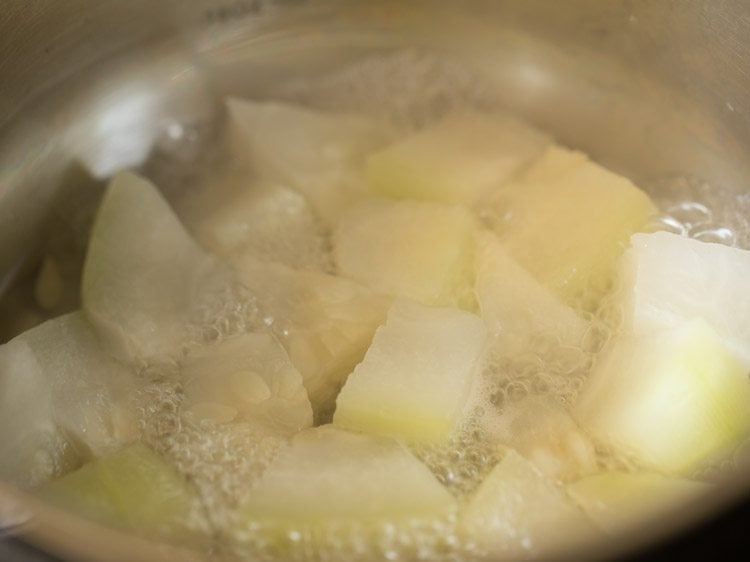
682 364
419 250
518 512
417 376
457 161
566 220
62 400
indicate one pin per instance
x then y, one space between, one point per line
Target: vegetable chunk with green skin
133 489
249 376
620 501
669 279
676 400
329 476
62 400
567 220
321 155
325 323
517 309
418 250
417 376
456 161
143 271
519 512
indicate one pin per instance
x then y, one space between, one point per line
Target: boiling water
408 90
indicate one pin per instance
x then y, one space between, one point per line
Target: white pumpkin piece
62 400
520 513
135 490
668 280
618 502
457 161
566 220
541 430
519 312
144 276
331 478
321 155
247 377
418 250
676 400
325 323
417 377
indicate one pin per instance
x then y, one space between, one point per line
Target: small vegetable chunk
417 375
133 489
330 476
675 399
566 220
325 323
143 271
61 400
421 251
320 155
456 161
669 279
620 501
248 376
518 311
519 512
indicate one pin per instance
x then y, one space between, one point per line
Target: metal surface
652 89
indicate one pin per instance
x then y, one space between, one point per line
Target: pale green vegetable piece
325 323
519 512
266 221
62 399
566 220
329 476
543 432
133 489
456 161
417 376
519 312
321 155
669 279
143 272
252 376
418 250
620 501
675 399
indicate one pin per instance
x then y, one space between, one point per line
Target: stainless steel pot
652 89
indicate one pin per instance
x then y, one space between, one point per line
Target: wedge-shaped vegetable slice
669 279
417 375
518 311
267 221
675 399
325 323
61 400
419 250
249 376
456 161
319 154
329 476
544 433
133 489
620 501
566 220
519 512
143 273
